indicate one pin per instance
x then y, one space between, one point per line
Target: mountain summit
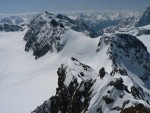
46 31
145 18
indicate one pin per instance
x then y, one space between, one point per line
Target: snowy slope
24 81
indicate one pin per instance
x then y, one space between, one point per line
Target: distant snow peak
132 22
144 19
10 28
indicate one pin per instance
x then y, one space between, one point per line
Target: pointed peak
145 18
47 13
148 8
44 14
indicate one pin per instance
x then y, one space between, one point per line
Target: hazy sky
16 6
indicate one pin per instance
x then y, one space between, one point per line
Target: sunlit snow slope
24 81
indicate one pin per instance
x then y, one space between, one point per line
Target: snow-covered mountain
144 19
127 52
14 22
11 20
16 19
9 27
82 90
46 31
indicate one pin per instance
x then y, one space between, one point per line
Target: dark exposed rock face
145 18
46 31
118 84
83 27
107 99
137 92
139 108
102 72
8 28
44 36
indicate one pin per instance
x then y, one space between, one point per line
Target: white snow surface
24 82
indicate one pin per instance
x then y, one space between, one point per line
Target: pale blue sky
17 6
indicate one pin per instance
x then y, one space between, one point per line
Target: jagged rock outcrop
73 92
81 90
46 31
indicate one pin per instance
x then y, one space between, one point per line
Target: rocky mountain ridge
82 90
46 31
144 19
127 52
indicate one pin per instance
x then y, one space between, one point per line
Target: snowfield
24 82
